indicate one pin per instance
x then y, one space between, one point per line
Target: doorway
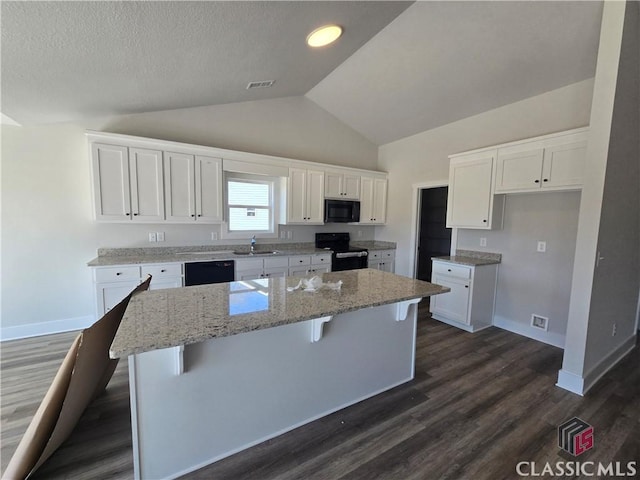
434 238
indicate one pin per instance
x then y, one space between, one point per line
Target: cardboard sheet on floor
83 375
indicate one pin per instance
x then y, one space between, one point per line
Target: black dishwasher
202 273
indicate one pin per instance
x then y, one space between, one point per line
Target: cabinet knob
199 214
545 179
118 273
466 286
537 181
162 271
484 221
136 214
448 269
192 215
127 214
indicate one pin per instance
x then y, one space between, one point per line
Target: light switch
542 247
214 235
483 241
153 237
160 236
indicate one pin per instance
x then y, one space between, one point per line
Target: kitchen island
215 369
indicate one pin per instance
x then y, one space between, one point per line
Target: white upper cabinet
111 182
554 162
147 192
127 184
208 189
193 188
341 185
305 201
373 200
470 201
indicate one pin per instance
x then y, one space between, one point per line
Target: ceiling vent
264 84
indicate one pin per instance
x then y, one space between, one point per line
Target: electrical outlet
615 330
542 247
483 241
160 236
214 235
153 237
289 235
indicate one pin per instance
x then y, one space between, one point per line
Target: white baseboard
608 363
45 328
550 338
581 385
571 382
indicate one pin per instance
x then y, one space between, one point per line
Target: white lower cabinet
382 260
470 303
254 268
304 265
114 283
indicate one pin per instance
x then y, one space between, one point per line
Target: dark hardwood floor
480 403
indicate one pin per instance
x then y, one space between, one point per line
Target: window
249 204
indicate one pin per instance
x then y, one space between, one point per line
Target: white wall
48 234
606 293
530 282
423 158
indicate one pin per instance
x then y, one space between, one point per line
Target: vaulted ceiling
399 68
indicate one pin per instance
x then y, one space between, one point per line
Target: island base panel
238 391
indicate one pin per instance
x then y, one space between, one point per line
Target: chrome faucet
253 244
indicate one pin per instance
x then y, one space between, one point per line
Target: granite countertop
471 258
193 254
108 257
181 316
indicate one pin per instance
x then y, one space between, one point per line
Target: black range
344 257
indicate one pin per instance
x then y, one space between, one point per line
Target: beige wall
48 234
423 158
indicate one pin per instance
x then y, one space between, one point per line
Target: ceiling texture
400 67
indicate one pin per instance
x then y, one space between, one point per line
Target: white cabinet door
315 196
306 196
110 294
301 271
351 187
276 272
208 189
373 200
470 201
297 197
342 186
519 171
147 189
179 182
564 165
111 182
333 185
453 305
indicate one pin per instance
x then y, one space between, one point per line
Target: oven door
348 261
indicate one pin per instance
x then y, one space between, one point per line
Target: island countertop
181 316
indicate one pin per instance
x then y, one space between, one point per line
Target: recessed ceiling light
324 35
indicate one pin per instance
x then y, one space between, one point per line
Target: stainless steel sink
270 252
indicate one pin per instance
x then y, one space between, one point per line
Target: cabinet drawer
276 262
451 270
324 259
117 274
249 264
299 260
161 271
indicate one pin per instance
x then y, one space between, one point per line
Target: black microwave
341 211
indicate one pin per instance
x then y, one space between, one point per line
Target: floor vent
538 321
264 84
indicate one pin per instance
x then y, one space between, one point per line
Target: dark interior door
434 239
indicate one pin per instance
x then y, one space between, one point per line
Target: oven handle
351 254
